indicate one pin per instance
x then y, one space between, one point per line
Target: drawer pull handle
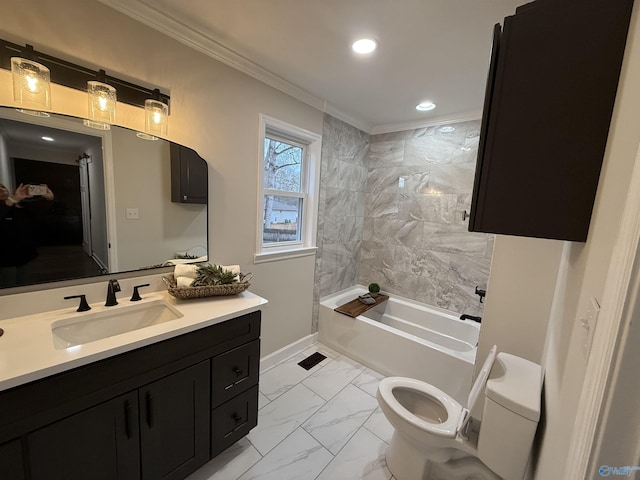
238 371
149 399
237 418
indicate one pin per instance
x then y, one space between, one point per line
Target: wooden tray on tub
356 307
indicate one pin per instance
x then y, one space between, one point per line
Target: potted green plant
374 289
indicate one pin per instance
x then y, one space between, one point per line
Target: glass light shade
31 84
156 117
102 102
96 125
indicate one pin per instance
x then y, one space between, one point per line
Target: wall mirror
111 210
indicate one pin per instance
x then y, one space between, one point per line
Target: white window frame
310 188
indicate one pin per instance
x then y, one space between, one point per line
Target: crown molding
145 13
354 122
431 122
187 35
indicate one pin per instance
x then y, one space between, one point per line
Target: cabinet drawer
232 420
234 372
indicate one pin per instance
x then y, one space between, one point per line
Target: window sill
276 255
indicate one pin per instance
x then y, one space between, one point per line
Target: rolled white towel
235 269
189 271
183 282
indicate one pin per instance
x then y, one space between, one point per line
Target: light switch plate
133 214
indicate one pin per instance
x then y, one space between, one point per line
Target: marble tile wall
415 242
390 212
341 208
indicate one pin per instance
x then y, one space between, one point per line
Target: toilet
432 439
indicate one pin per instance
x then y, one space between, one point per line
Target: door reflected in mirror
77 202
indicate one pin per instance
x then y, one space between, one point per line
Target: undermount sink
85 328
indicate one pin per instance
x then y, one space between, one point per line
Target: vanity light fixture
425 106
156 119
32 72
31 82
102 101
364 46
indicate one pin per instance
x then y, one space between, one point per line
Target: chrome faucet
112 287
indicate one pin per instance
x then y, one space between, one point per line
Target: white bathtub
406 338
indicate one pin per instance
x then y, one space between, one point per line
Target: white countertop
27 350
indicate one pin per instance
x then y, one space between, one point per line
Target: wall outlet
133 214
588 325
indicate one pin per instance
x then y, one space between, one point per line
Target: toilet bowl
430 427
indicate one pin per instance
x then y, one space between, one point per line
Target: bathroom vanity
158 407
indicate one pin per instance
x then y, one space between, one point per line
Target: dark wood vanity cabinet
103 440
11 460
159 412
550 94
188 176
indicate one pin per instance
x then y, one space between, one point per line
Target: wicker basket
186 293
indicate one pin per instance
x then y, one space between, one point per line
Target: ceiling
436 50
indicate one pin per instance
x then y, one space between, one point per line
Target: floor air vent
312 360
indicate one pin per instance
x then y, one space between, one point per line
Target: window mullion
282 193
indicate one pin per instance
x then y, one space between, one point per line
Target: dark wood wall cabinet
188 176
549 99
159 412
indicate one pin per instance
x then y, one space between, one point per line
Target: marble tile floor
323 423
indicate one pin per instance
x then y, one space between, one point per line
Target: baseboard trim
287 351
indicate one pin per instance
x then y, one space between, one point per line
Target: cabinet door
188 176
11 461
547 116
101 443
174 424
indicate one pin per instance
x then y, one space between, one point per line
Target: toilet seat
457 415
449 428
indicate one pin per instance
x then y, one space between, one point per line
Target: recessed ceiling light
48 139
364 45
447 129
425 106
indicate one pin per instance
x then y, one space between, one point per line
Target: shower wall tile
381 204
386 154
397 232
415 204
442 237
391 211
440 208
467 270
452 178
343 179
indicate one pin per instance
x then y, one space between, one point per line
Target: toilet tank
510 415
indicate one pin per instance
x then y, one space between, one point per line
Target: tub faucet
112 287
481 293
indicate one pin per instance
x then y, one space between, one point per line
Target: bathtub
405 338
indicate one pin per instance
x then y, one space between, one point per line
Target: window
288 183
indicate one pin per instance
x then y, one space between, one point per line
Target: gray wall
343 178
415 241
390 212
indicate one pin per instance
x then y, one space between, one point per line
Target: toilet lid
481 379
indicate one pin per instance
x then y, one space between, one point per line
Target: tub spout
464 316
